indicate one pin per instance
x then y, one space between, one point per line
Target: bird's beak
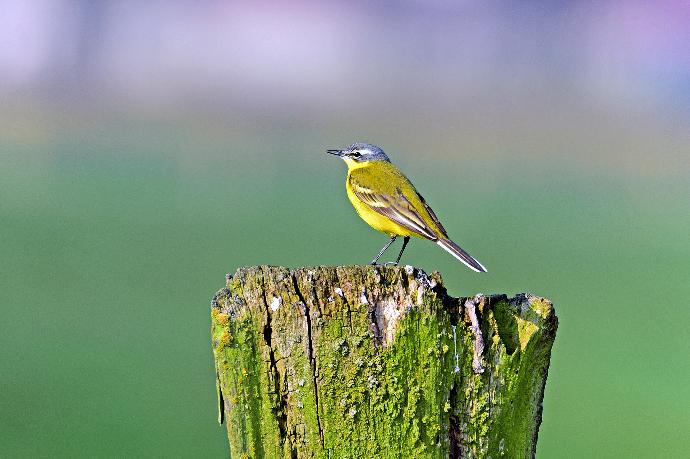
335 152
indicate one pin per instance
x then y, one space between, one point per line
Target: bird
386 200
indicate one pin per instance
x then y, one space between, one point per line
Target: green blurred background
146 150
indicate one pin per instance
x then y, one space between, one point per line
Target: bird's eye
356 154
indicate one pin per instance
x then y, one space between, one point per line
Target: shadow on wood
364 361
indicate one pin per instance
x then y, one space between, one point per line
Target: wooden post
372 361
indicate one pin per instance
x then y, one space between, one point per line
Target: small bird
389 203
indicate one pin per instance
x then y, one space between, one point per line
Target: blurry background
147 148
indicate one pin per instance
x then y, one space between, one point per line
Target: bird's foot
386 264
390 263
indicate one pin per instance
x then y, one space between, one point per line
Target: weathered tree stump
364 361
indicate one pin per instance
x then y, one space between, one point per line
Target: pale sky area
310 53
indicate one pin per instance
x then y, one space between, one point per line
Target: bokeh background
147 148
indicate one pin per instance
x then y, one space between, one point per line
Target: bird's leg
406 239
388 244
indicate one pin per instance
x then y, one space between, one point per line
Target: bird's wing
433 215
394 205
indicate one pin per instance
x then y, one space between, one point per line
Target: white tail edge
455 250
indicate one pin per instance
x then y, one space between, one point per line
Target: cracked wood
360 361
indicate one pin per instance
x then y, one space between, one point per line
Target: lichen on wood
372 361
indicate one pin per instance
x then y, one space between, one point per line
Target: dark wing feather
433 215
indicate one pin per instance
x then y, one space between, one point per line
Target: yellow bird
389 203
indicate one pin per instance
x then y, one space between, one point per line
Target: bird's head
359 153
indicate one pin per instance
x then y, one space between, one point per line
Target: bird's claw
386 264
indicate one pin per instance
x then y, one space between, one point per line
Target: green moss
350 362
392 398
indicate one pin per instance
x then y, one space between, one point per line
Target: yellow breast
373 218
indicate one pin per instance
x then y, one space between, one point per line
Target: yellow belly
376 220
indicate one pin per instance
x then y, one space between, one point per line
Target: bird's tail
455 250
